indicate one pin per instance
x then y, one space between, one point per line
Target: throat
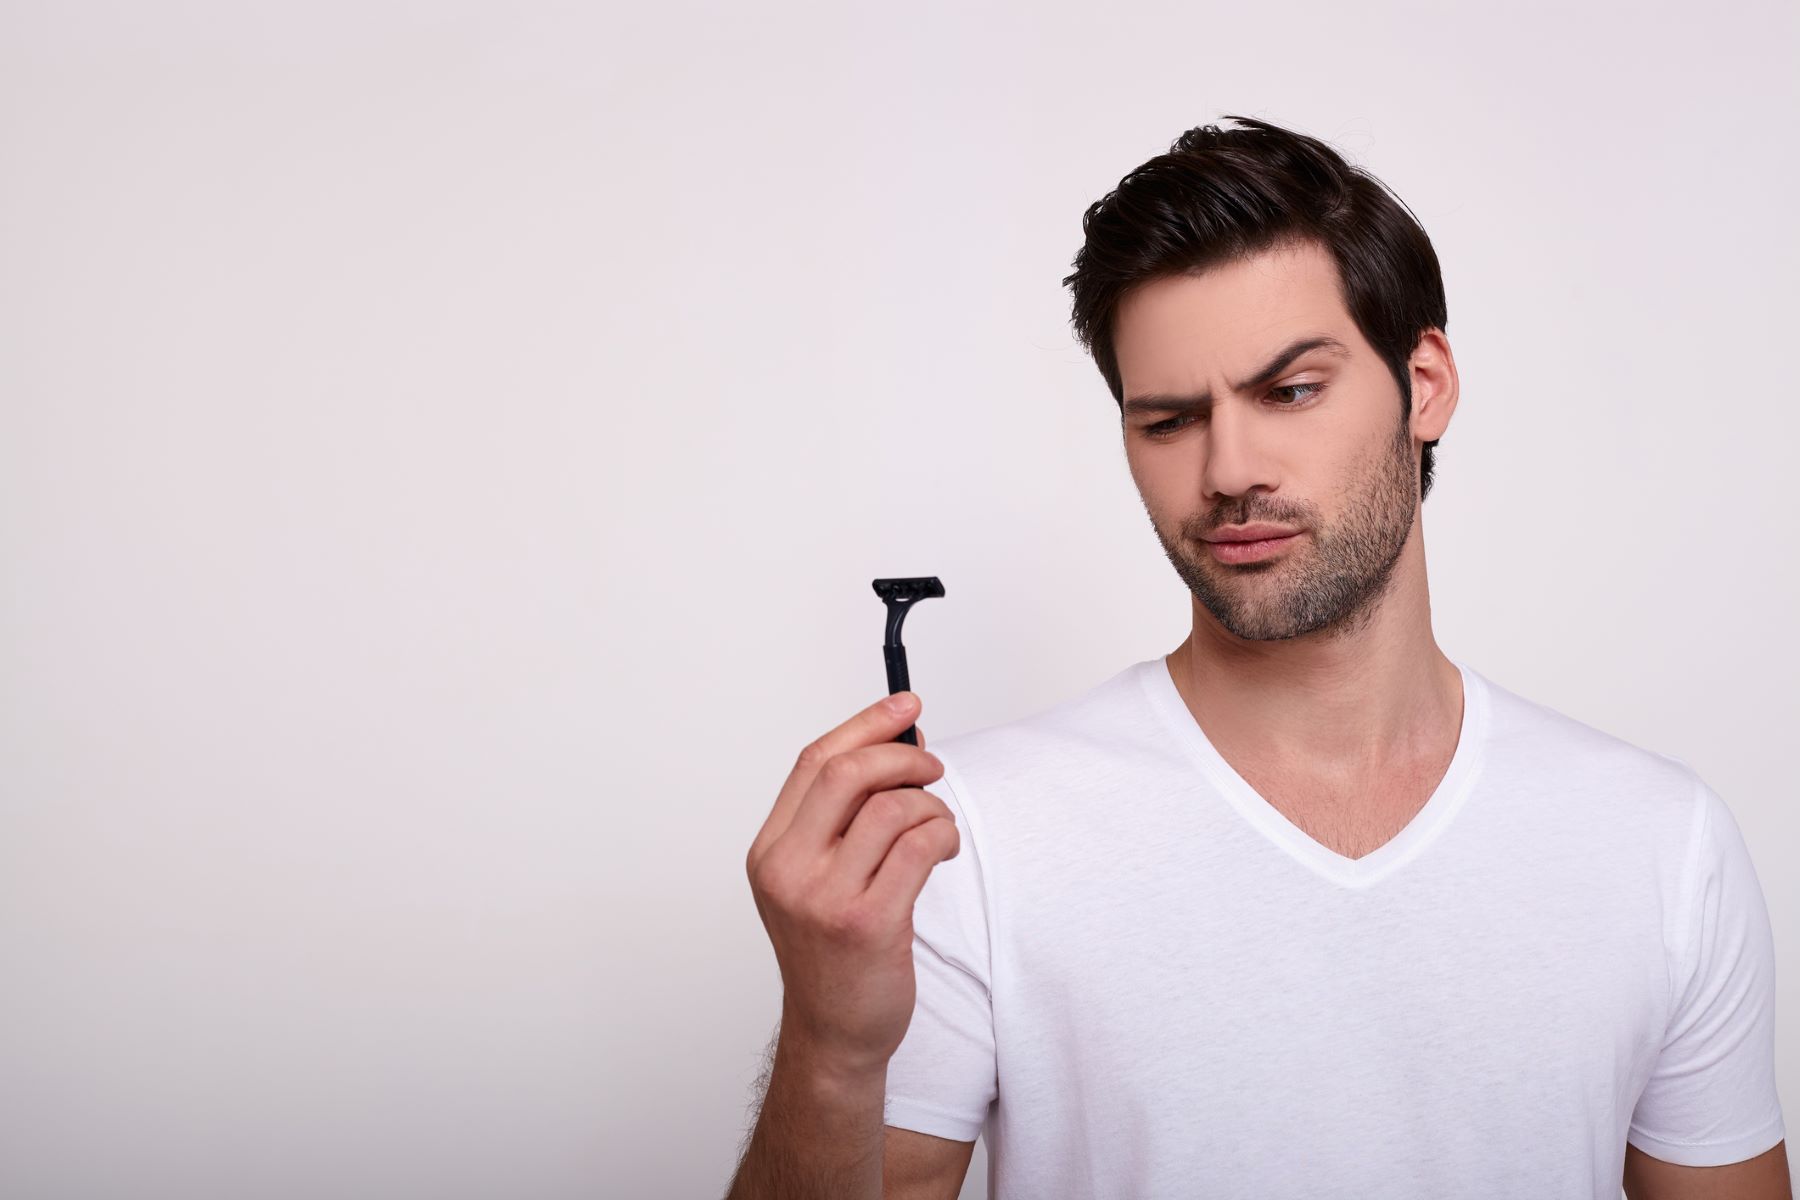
1349 821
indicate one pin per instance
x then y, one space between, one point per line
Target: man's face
1318 446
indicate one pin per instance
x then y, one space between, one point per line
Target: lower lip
1243 552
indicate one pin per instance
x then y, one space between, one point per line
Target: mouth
1252 550
1254 531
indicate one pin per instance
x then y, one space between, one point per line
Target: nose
1237 452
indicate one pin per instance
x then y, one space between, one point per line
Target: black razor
900 595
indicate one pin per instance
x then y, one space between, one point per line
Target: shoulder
1537 750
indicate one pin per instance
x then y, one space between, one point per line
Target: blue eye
1164 429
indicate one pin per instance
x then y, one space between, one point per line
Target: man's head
1264 315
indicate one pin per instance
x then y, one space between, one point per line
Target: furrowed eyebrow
1162 402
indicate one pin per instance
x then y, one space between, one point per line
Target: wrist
827 1073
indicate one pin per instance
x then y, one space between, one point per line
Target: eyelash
1165 429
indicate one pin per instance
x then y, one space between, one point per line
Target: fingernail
900 703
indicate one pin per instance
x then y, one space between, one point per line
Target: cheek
1172 502
1162 479
1143 470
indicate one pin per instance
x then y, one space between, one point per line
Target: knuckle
931 839
769 876
839 771
886 808
915 843
813 755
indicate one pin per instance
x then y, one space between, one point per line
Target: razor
900 595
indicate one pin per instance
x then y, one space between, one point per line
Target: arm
923 1166
814 1135
1764 1177
819 1134
835 872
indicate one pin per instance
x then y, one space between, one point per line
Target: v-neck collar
1403 847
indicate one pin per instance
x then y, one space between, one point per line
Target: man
1304 908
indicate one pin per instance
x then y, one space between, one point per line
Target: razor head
900 595
906 591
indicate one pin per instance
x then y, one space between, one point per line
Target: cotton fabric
1139 979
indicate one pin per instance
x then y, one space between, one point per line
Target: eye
1163 429
1299 394
1311 390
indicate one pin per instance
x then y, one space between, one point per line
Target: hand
835 872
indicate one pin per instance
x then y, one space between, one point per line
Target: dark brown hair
1220 195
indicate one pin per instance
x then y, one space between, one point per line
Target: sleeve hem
902 1113
1711 1154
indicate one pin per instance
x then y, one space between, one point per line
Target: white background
445 447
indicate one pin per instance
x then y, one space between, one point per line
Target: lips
1256 532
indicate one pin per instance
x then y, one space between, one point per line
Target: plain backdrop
445 449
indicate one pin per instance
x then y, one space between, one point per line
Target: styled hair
1221 195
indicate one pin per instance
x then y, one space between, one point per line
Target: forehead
1225 320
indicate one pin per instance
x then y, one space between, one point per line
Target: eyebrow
1163 402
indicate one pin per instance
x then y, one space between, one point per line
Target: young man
1304 907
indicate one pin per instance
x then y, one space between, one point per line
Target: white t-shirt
1139 979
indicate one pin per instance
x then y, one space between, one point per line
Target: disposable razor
900 595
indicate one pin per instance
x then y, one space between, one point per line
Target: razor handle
898 681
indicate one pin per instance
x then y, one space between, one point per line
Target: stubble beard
1331 581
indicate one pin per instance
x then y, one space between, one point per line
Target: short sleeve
1711 1098
942 1079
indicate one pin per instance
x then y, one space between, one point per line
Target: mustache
1198 528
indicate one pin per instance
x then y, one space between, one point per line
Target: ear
1434 386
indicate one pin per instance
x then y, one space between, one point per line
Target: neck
1339 702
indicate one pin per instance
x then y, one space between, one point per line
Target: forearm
819 1135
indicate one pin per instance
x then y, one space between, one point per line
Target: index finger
880 722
